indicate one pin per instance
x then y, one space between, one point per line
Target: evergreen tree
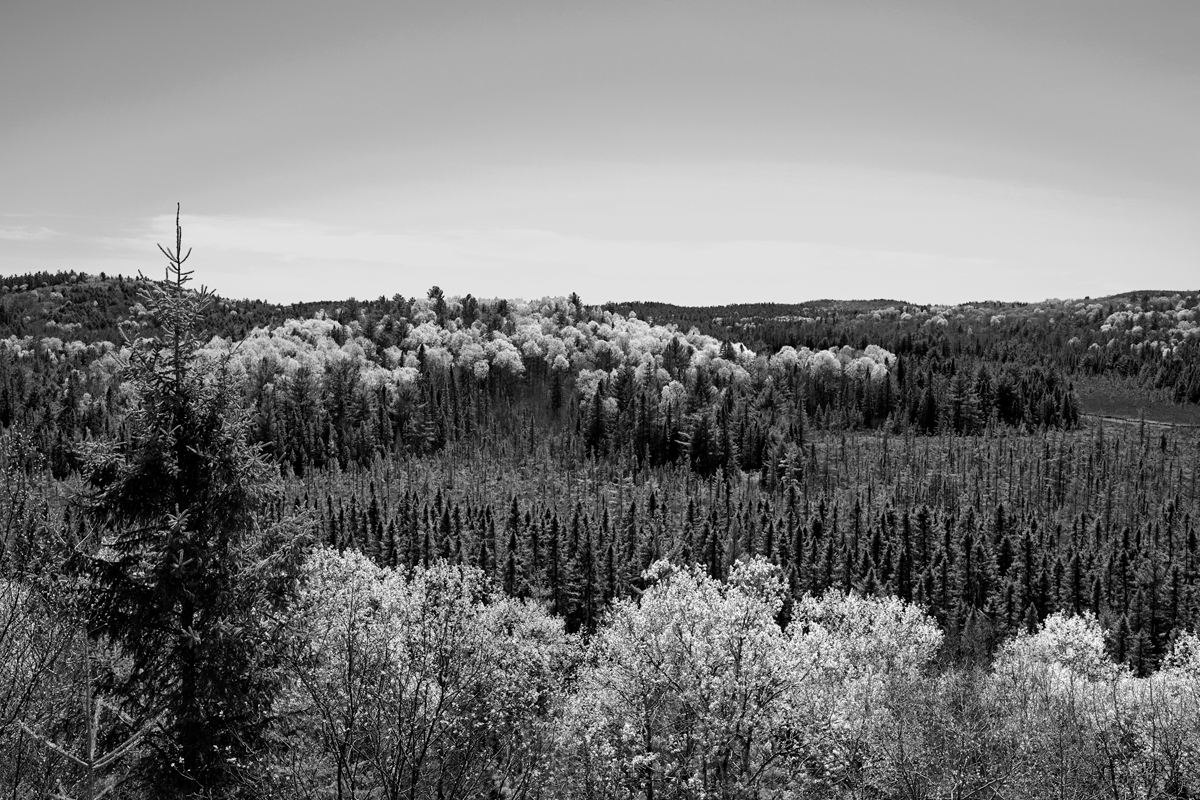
927 420
596 431
511 566
187 575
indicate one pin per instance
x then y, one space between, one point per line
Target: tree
438 298
75 675
964 404
927 418
34 645
597 432
186 576
689 692
421 686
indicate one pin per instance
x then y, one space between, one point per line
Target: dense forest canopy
460 547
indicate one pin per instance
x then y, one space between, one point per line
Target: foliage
424 686
186 579
687 694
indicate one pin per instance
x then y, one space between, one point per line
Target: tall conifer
188 575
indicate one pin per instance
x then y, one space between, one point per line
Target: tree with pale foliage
1087 727
432 685
866 652
687 691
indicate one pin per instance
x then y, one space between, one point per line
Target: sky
680 151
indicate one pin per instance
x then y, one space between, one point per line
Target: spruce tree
187 576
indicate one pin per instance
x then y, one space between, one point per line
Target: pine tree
511 567
554 568
927 420
596 431
188 575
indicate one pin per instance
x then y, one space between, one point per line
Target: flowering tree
429 686
868 656
688 692
1087 726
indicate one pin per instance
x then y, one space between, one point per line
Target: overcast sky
690 152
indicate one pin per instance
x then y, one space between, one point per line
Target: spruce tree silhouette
188 575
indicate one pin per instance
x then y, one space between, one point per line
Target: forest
453 547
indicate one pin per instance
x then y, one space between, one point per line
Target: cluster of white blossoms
53 348
871 364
